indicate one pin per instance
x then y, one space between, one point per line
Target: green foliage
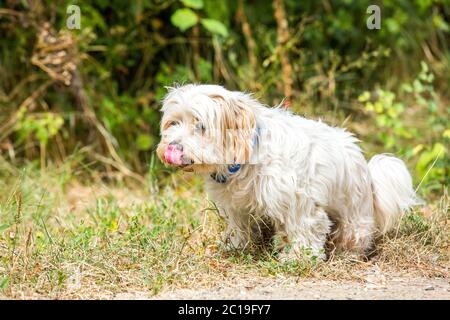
184 19
44 126
126 53
414 224
4 283
387 112
196 4
433 162
215 27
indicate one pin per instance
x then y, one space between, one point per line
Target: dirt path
372 286
399 288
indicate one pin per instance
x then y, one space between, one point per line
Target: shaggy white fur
308 180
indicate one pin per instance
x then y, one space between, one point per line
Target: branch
282 39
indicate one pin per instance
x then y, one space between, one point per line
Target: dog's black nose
177 145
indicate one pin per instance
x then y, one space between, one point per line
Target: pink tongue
173 155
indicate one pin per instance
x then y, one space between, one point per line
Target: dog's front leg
238 232
306 231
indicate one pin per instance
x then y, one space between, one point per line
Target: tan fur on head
238 125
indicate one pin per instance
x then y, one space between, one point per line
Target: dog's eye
200 127
173 123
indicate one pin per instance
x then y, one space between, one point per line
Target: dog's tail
392 190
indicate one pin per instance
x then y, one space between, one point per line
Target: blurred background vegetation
89 99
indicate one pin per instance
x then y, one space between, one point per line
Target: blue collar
222 178
233 168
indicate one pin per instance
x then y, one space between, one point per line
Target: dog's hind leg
356 227
355 234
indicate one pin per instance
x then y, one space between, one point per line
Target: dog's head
205 127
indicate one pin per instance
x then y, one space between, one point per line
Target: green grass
62 239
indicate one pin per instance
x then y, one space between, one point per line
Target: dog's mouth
189 167
175 157
185 164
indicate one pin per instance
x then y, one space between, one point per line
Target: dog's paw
233 241
301 254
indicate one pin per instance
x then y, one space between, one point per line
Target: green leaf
205 70
196 4
418 87
215 27
407 87
392 25
427 157
4 283
183 19
3 227
440 23
144 142
424 66
365 96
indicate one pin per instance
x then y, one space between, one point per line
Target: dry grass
60 239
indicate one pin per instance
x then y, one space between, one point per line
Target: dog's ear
237 125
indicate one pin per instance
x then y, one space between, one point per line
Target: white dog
308 180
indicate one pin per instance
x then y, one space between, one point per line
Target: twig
118 163
220 63
119 166
282 39
26 104
250 42
196 50
13 235
10 12
429 169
